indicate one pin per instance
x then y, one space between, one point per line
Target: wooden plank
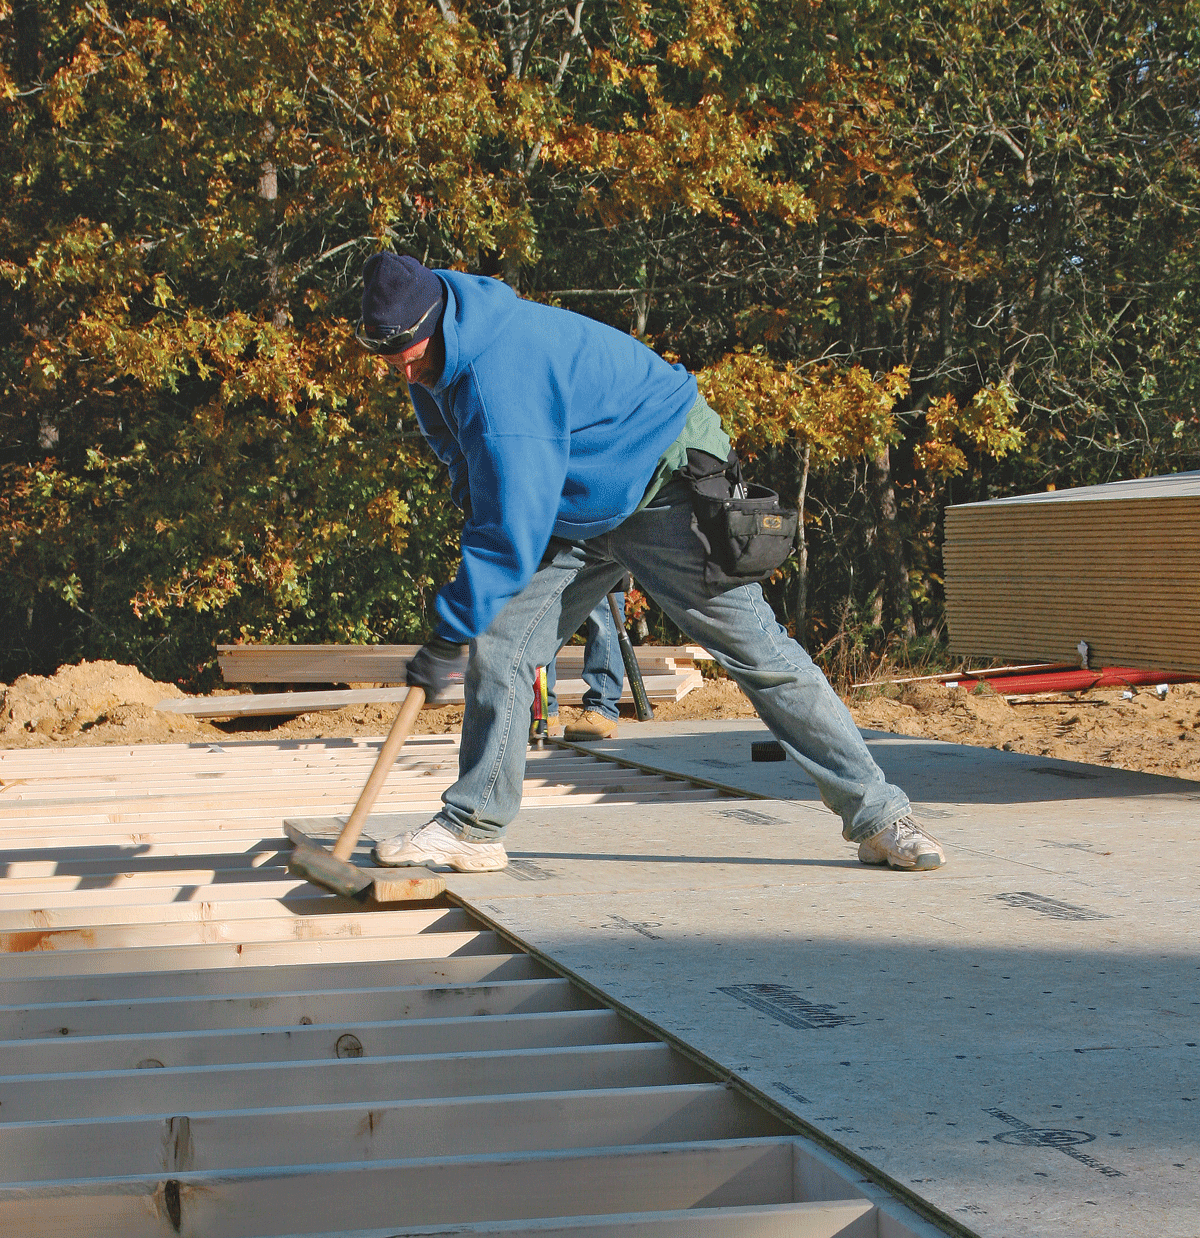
38 963
269 787
138 824
381 1038
266 809
611 1117
61 786
266 704
841 1218
444 997
164 934
120 767
388 663
118 763
204 796
32 888
255 1085
87 861
628 786
422 1192
667 687
1085 525
205 911
407 651
142 895
53 991
635 787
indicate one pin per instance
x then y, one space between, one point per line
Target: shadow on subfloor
928 770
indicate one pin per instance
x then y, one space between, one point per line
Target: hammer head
315 864
385 885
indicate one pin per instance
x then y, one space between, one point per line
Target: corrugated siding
1168 485
1029 581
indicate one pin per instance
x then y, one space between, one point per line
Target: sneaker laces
910 834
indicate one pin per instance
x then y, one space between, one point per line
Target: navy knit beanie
397 290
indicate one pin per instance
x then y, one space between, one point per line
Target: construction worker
564 439
603 679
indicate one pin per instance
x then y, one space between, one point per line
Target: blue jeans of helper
657 546
603 666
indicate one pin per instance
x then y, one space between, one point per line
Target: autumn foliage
912 254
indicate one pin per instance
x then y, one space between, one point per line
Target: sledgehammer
333 870
633 672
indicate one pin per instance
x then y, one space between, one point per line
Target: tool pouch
745 533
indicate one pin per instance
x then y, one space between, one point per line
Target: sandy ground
107 703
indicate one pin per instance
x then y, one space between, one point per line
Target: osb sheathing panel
1030 581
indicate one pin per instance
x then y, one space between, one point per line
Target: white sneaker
433 844
903 845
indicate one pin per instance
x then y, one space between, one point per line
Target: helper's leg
603 668
604 674
789 692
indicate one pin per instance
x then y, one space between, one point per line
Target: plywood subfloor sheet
1014 1037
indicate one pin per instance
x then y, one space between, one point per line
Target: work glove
438 666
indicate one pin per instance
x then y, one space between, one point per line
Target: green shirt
702 431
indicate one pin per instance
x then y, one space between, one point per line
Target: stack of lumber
1116 566
194 1042
669 672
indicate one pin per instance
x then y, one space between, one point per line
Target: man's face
419 363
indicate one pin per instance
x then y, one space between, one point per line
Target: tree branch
106 22
333 94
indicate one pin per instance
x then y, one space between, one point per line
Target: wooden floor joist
305 1042
388 663
193 1042
660 689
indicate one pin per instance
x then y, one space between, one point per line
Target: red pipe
1081 681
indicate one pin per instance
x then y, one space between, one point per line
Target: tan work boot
591 725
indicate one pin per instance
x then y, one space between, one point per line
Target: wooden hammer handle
348 839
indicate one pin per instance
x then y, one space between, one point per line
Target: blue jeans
657 546
603 666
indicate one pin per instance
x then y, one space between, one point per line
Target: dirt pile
107 703
1101 727
92 702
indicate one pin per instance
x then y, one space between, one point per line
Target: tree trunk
800 609
896 611
268 190
28 59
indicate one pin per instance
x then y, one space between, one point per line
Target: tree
890 240
192 446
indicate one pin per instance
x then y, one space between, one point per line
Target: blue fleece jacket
551 423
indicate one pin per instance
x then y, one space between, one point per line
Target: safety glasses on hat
387 340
